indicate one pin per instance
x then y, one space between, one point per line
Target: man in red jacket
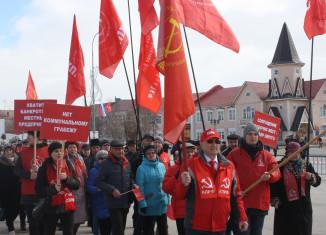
26 169
253 162
169 186
208 186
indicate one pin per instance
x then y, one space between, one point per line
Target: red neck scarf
291 185
52 170
124 161
210 186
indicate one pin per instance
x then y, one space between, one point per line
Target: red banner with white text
28 114
66 122
269 128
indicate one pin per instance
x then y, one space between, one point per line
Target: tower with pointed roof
286 76
286 97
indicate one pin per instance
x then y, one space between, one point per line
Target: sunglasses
216 141
100 159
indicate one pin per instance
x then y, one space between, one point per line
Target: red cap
209 134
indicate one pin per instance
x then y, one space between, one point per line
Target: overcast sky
36 34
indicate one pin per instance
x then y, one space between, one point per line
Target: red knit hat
209 134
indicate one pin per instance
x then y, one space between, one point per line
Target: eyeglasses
216 141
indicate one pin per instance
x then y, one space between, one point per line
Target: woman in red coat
169 186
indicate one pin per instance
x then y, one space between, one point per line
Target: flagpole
310 88
132 98
194 77
134 73
93 84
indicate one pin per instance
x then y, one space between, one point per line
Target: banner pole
194 78
284 162
131 96
134 74
34 148
310 88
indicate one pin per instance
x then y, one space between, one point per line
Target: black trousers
35 227
256 224
11 212
197 232
149 223
118 220
105 226
67 223
180 226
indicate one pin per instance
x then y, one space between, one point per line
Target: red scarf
210 186
80 168
291 185
124 160
52 174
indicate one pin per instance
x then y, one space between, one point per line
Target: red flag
76 81
148 17
108 107
138 195
178 101
315 19
202 16
30 89
112 39
148 84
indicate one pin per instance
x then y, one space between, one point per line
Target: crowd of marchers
199 184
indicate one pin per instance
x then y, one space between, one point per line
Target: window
198 117
248 94
198 134
324 91
248 113
323 111
232 131
220 114
209 115
222 134
231 114
275 71
159 119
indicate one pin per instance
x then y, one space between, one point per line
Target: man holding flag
208 186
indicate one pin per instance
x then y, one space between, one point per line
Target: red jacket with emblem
25 162
249 171
208 197
169 186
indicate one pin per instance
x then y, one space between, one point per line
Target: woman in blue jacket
149 178
98 200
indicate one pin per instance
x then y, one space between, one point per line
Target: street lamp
93 84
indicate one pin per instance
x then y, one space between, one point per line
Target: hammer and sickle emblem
225 183
207 183
168 49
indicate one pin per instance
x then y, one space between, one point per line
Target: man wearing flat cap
114 179
253 162
208 186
